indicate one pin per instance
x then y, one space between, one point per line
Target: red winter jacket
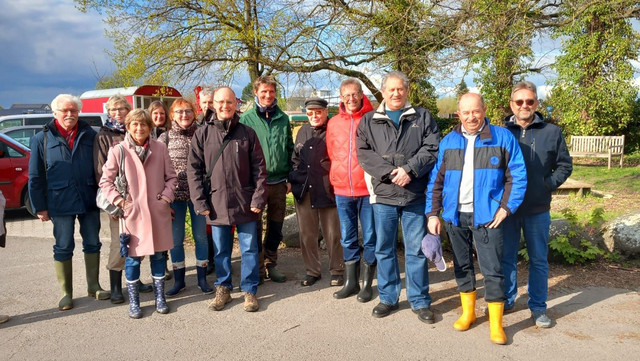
346 175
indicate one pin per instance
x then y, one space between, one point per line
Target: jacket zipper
349 156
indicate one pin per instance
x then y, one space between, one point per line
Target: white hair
65 97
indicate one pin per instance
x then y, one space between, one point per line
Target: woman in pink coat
151 180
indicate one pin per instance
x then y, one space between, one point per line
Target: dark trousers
488 243
276 207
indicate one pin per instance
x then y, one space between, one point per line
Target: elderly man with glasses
62 188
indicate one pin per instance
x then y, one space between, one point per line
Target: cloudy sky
48 47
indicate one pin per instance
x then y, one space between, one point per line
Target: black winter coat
382 148
311 166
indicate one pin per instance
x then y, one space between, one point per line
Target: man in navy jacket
62 187
548 166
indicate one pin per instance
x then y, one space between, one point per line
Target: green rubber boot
64 273
92 266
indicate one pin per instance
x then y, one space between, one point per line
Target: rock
559 227
623 234
290 231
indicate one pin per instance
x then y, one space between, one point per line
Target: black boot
202 281
351 284
178 283
366 293
144 288
115 278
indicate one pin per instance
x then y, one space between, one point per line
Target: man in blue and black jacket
548 165
479 179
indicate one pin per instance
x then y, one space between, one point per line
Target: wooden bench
597 146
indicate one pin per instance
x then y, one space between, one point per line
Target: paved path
293 323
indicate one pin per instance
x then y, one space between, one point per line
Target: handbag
121 186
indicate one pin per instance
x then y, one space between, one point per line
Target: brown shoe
250 302
5 318
223 296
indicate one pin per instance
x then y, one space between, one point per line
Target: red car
14 173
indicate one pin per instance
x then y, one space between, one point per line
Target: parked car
14 173
94 119
24 133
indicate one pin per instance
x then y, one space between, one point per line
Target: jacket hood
366 107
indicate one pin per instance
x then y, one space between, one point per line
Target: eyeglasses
353 95
225 102
311 113
185 111
65 111
119 110
529 102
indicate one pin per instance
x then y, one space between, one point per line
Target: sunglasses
529 102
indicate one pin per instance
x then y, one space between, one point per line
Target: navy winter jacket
547 158
500 177
68 186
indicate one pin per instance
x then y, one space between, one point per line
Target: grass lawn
620 187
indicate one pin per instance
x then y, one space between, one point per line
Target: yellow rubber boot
468 300
495 322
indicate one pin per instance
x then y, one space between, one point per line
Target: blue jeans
413 230
64 227
132 266
248 239
198 229
536 234
349 210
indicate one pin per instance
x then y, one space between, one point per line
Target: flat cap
315 103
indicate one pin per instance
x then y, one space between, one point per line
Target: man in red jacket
352 196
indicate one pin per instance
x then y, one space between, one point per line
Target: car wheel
26 202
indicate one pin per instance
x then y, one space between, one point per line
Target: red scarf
68 135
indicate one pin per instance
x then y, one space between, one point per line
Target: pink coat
148 218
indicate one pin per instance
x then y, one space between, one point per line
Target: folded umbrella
124 244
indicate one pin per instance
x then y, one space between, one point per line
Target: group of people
381 168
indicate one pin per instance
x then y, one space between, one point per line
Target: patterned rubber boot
161 303
134 300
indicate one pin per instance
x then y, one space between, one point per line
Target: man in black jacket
313 193
548 166
397 146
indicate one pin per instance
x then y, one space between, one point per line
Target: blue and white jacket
500 176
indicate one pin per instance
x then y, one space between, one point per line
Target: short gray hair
65 97
118 99
350 81
524 85
207 91
396 75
